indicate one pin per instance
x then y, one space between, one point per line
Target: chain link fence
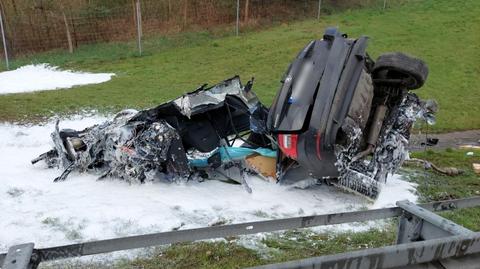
32 26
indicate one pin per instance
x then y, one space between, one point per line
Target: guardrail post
67 29
418 224
19 256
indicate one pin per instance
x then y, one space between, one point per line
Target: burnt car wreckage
339 118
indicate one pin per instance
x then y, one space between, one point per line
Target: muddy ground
446 140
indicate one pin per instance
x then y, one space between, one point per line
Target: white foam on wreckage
35 209
42 77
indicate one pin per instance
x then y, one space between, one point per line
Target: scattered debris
469 147
430 142
476 168
265 166
449 171
339 117
470 153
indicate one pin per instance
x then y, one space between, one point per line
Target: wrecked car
176 140
339 117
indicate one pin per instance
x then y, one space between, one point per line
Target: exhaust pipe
377 124
374 131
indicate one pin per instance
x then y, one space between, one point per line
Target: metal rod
403 255
319 9
139 26
237 27
7 64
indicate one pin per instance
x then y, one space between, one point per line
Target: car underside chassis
381 147
339 117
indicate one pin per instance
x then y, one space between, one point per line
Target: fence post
69 36
4 41
185 11
319 9
238 18
247 3
138 12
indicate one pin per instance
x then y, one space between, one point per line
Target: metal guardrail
424 240
419 254
407 211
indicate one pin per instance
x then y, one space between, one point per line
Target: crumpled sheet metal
190 103
94 138
139 157
137 146
132 151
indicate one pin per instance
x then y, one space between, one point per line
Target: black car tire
399 68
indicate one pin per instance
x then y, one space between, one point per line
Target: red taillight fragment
288 144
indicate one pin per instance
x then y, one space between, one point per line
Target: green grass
200 255
283 247
442 32
433 186
294 245
279 247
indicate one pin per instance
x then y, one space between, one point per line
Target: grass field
443 32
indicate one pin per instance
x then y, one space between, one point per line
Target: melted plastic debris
191 103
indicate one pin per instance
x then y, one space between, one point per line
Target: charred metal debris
339 118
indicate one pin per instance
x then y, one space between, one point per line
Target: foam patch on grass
35 209
43 77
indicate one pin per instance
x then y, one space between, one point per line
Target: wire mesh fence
31 26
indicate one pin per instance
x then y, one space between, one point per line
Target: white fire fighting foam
34 209
42 77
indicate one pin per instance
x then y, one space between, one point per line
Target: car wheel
400 69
